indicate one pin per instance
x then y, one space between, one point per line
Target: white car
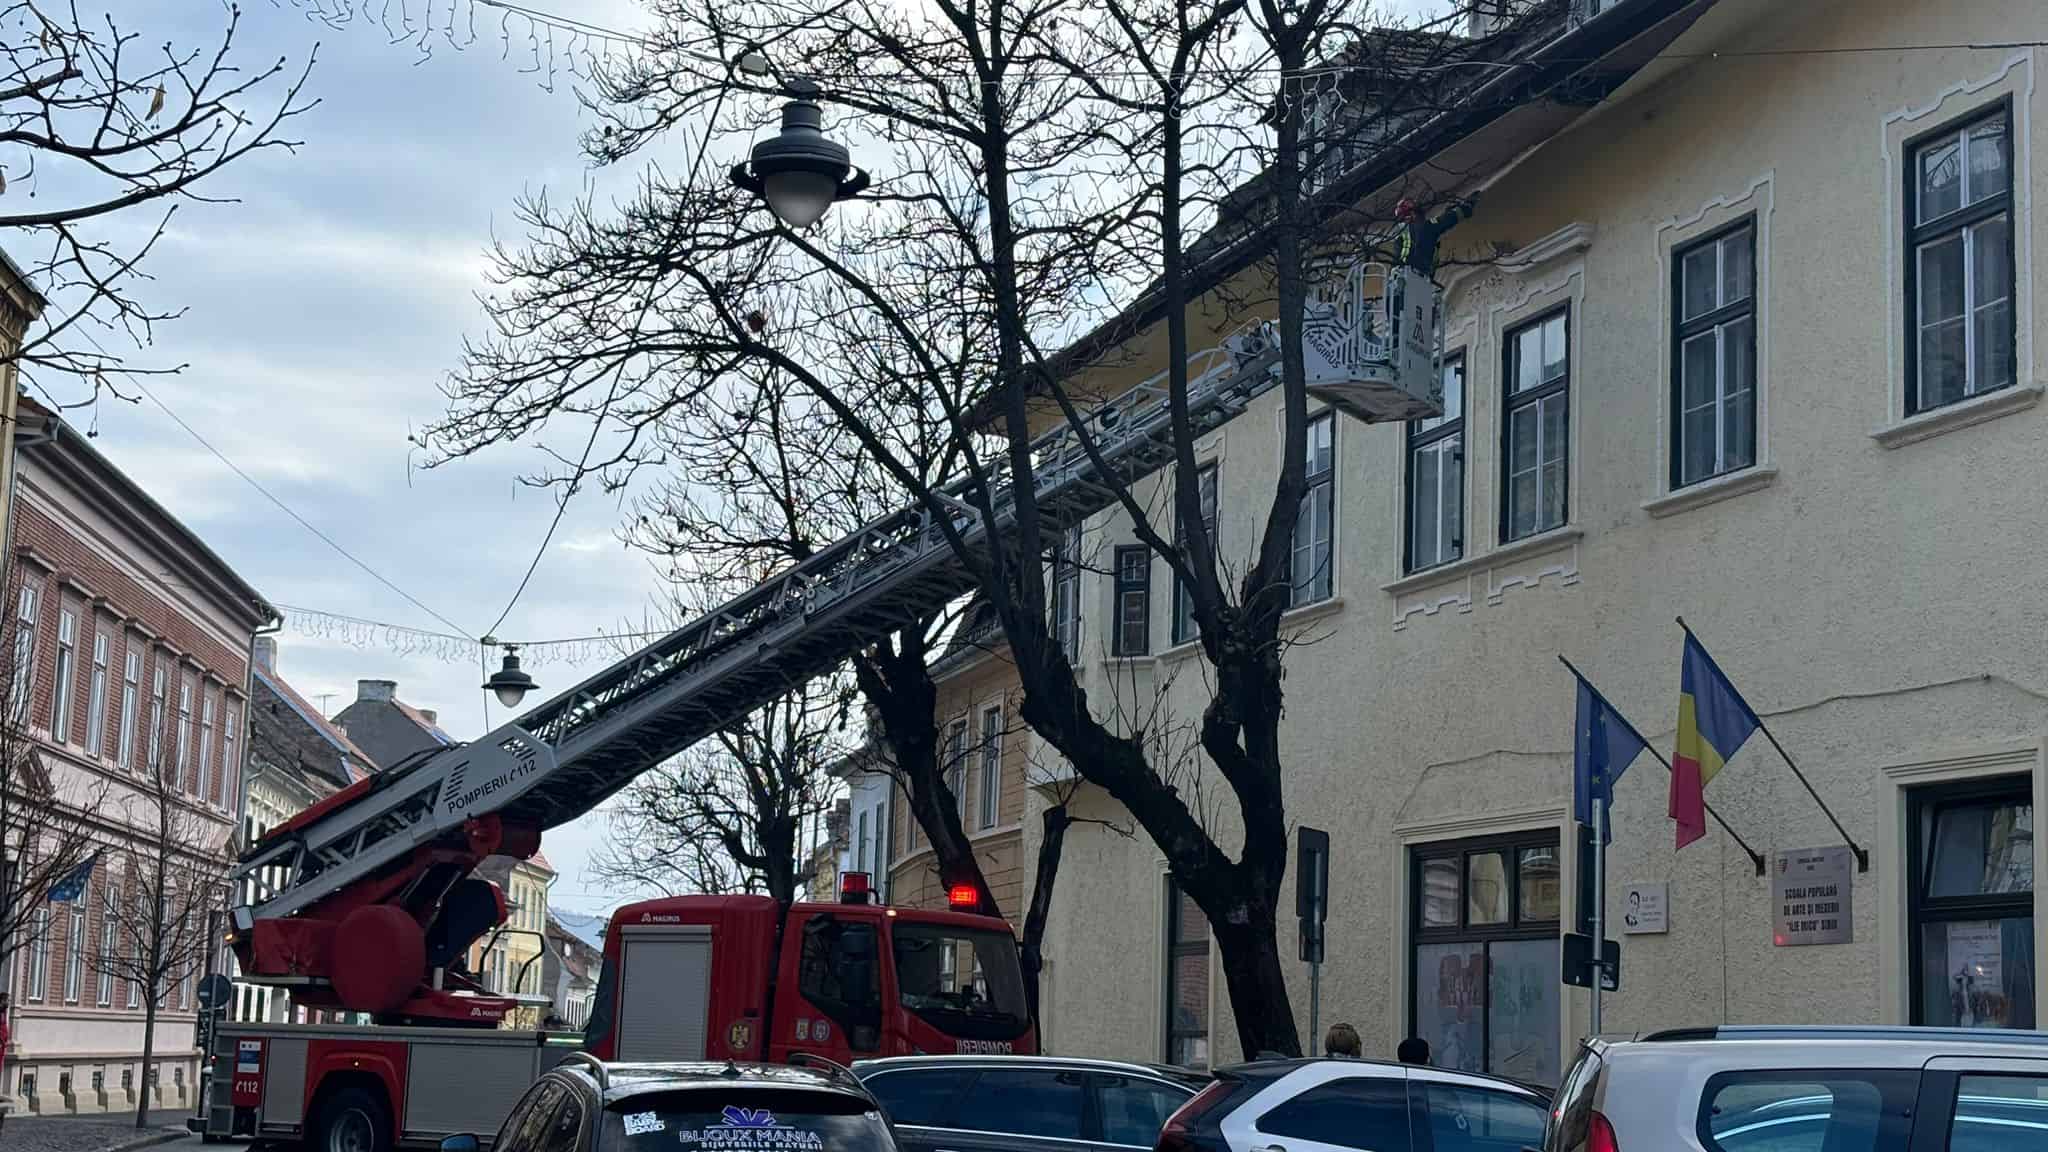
1807 1089
1335 1105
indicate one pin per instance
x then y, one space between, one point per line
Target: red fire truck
688 978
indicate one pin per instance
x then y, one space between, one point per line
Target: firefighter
1420 234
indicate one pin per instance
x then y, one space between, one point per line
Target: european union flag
1604 747
72 886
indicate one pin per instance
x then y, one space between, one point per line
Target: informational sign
1644 910
246 1089
1576 962
1812 892
1312 888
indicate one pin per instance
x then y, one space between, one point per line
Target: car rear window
1573 1108
1024 1102
705 1121
921 1096
1808 1110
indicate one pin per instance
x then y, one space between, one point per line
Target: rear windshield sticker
641 1123
750 1130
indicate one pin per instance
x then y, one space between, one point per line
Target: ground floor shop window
1972 903
1483 987
1187 981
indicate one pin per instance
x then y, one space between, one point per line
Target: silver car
1025 1103
1806 1089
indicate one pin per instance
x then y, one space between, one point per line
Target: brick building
133 640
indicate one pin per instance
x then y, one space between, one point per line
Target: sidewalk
99 1133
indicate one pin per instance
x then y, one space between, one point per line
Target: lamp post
508 683
799 171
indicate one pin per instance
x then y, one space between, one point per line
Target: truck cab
689 978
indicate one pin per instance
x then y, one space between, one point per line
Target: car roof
1186 1076
623 1081
1797 1046
1273 1068
1853 1032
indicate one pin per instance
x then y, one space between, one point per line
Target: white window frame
1066 593
39 955
184 746
229 766
1439 437
1535 399
1714 324
955 766
1183 628
96 698
206 741
1922 235
1316 522
24 670
74 959
65 669
991 764
131 685
156 719
109 912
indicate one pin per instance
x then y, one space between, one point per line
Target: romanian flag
1713 721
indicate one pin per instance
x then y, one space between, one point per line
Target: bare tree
747 791
46 818
101 126
1028 181
171 878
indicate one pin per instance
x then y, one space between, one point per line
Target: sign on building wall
1643 910
1812 892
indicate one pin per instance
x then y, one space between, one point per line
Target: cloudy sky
323 310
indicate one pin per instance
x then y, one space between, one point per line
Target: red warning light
963 896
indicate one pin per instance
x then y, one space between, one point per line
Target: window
1535 425
1367 1112
1971 904
1066 593
205 742
184 730
24 670
131 678
991 763
96 699
956 763
860 842
1314 525
1483 963
1959 266
1183 597
1436 477
109 910
1133 1111
156 720
1026 1102
1463 1118
839 973
66 670
1850 1110
229 766
1133 635
922 1097
1999 1114
39 954
1187 980
74 951
1713 369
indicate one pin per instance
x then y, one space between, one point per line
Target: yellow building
510 960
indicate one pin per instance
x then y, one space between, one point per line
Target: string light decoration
545 44
408 642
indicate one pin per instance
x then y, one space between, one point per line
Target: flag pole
1755 858
1862 856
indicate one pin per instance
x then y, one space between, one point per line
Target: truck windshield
703 1121
962 981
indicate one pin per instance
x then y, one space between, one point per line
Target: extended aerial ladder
364 901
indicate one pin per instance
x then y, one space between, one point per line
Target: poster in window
1976 973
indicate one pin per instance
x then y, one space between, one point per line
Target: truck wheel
352 1120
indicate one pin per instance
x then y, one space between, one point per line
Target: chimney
430 716
376 690
266 653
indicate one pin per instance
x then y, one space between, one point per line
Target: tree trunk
1257 986
778 852
148 1052
1055 821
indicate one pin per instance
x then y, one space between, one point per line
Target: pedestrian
1413 1050
1342 1040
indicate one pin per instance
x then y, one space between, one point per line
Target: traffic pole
1599 904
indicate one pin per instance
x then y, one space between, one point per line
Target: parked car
584 1104
1356 1106
1025 1103
1806 1089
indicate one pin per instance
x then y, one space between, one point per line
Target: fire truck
364 904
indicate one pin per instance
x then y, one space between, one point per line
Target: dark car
1025 1103
1356 1106
584 1104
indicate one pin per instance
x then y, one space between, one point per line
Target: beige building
1761 353
987 753
511 961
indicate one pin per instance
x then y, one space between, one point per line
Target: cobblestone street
25 1133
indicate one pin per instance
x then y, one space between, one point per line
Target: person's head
1342 1040
1405 210
1413 1050
1635 899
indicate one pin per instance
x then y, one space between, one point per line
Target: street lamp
508 683
798 171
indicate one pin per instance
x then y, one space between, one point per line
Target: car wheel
352 1120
